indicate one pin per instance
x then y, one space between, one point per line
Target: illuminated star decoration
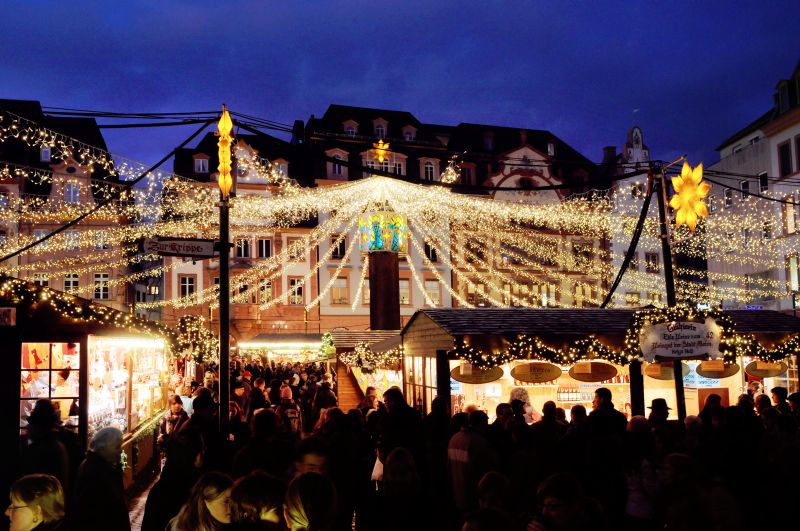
381 151
225 139
450 174
689 194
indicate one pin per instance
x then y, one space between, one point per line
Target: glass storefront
50 370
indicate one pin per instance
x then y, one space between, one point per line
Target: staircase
348 392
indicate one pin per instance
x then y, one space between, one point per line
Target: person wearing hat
659 412
666 433
45 453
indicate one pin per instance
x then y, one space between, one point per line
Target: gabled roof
755 125
579 322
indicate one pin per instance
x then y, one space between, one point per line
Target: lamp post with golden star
225 185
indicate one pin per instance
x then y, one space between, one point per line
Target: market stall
359 359
483 357
100 367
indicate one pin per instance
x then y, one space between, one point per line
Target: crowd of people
295 460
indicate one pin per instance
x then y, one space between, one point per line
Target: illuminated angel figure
689 194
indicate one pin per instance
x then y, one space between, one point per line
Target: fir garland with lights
364 358
194 338
327 348
482 360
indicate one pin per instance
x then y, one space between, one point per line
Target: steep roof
755 125
580 322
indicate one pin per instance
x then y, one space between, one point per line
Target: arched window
380 131
337 167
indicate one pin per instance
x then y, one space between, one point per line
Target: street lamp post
225 184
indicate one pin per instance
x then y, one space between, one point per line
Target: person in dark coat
99 502
45 453
401 426
257 399
172 421
181 470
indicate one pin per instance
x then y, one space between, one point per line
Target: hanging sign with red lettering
683 340
187 247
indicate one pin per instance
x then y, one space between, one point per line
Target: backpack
291 422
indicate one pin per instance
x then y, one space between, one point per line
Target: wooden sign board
765 369
600 372
476 376
537 372
717 369
680 340
663 371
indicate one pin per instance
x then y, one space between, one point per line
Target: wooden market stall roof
347 339
580 322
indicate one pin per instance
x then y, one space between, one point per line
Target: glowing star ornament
381 151
224 129
689 193
450 174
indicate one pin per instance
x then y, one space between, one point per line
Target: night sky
689 73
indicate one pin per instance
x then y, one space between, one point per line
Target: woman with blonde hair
208 507
37 502
310 503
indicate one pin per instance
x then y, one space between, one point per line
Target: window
582 295
201 165
340 292
737 148
243 248
551 149
434 291
755 140
101 286
72 242
763 182
634 265
241 295
408 135
72 192
431 253
405 291
548 294
655 298
791 265
41 279
39 234
350 130
744 186
187 285
398 168
100 241
3 237
339 248
652 263
385 166
50 370
429 171
264 291
712 203
637 190
71 282
632 298
476 294
3 200
380 131
296 252
766 230
296 291
264 247
728 197
336 167
747 235
785 159
44 154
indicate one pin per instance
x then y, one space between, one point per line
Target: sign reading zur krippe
680 340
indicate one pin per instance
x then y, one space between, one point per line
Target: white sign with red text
189 247
680 340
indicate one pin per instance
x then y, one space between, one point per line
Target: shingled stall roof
580 322
345 340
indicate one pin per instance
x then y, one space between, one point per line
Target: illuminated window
296 250
340 291
792 265
434 291
655 298
40 279
264 291
101 286
652 262
44 154
632 298
100 241
71 240
405 291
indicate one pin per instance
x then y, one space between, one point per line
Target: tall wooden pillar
384 290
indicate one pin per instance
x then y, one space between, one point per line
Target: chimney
298 132
609 154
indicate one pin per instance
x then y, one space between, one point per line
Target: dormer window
350 127
44 154
380 131
200 165
409 133
551 149
72 192
350 131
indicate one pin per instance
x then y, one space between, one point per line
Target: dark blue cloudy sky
690 73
